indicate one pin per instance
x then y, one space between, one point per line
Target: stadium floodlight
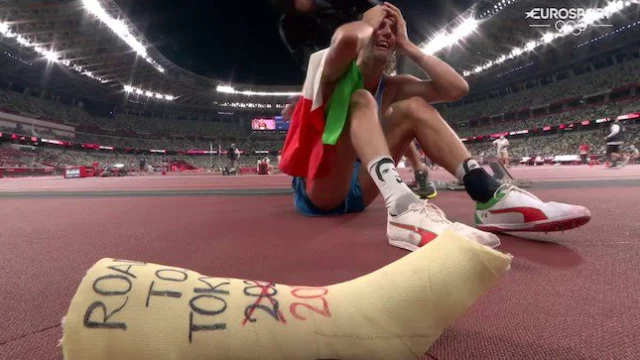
567 29
548 37
588 19
6 30
225 89
51 56
23 41
131 89
531 45
94 8
230 90
443 40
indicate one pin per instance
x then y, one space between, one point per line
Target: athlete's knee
416 109
362 99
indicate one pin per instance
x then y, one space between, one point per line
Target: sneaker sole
426 196
403 245
540 226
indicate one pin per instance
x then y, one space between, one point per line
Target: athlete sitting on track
383 119
307 27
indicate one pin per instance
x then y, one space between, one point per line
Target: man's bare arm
445 83
348 40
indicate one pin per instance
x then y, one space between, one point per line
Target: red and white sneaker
513 209
423 222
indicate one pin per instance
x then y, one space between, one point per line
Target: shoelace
507 188
431 211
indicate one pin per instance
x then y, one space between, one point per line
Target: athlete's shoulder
400 79
394 84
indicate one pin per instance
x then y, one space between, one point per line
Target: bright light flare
51 56
230 90
548 37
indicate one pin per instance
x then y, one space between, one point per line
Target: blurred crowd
525 109
585 84
565 143
15 156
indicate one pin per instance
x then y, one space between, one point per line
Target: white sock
465 167
397 195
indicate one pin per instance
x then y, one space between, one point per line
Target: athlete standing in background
615 141
583 149
502 146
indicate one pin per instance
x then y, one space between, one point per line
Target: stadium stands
543 114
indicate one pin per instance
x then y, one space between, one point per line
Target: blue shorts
352 204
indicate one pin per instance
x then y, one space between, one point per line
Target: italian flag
316 123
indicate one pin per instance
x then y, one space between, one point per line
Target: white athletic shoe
423 222
513 209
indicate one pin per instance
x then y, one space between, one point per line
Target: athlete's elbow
458 90
345 41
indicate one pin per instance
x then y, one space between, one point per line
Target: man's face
383 41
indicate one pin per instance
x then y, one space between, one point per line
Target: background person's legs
414 118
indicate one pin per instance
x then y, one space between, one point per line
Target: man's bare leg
405 121
422 186
411 223
414 118
365 140
414 157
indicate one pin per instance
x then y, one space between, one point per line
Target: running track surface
204 181
571 295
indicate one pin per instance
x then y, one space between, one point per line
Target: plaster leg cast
131 310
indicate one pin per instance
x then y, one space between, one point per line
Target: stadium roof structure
91 48
505 32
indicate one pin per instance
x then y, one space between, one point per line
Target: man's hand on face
374 16
402 38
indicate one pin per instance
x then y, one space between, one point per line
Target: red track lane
574 298
213 182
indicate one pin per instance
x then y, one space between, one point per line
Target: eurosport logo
569 20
